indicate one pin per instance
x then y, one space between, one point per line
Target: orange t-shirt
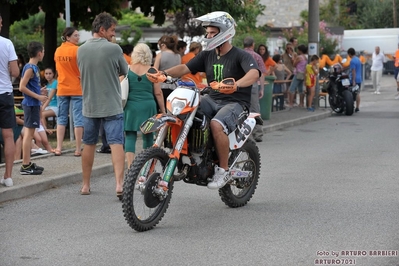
127 58
197 77
66 64
397 58
269 63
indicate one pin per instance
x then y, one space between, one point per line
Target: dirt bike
341 96
191 158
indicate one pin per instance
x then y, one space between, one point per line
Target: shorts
113 128
63 110
31 116
396 71
40 128
54 108
296 84
228 114
7 111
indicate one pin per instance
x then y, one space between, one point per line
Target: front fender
155 122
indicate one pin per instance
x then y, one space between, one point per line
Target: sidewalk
66 169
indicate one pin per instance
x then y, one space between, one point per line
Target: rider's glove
156 76
226 86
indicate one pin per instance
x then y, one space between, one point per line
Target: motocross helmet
221 20
336 69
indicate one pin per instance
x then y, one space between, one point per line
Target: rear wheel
238 192
142 207
348 102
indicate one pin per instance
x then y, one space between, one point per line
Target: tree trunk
50 39
5 16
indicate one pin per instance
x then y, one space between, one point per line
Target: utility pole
313 38
394 13
67 13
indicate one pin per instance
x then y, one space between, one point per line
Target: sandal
119 195
57 152
77 154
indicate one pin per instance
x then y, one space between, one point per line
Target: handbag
124 90
300 76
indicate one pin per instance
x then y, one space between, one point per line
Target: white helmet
224 22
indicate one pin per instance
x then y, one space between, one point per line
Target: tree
83 13
328 44
360 14
199 7
245 13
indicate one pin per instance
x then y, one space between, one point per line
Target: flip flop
57 152
77 154
84 192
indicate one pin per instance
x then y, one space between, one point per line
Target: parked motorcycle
191 158
341 95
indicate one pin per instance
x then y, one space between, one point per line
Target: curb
22 191
295 122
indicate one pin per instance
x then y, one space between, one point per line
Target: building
283 13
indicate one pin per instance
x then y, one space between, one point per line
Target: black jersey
235 64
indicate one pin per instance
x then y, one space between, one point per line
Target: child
30 87
49 107
312 70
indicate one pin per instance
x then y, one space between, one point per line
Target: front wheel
143 208
238 192
348 100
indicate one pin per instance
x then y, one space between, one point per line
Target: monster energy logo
218 72
148 126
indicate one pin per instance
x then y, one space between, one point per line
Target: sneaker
357 110
6 182
397 97
310 109
377 92
220 178
37 167
39 151
31 169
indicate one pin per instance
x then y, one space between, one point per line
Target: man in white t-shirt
8 68
376 69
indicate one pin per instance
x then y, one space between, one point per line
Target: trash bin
266 101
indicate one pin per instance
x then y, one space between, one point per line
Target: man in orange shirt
195 48
396 58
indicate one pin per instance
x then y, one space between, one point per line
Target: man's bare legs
87 166
9 150
221 143
118 161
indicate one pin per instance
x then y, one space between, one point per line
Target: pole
67 13
394 13
313 39
68 24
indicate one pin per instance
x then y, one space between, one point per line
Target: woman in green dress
140 104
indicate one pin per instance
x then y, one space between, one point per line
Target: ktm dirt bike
191 158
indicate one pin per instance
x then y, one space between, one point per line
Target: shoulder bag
124 90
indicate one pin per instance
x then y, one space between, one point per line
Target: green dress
140 104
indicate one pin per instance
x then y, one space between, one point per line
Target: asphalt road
326 187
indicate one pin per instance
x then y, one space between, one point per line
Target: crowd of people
95 96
